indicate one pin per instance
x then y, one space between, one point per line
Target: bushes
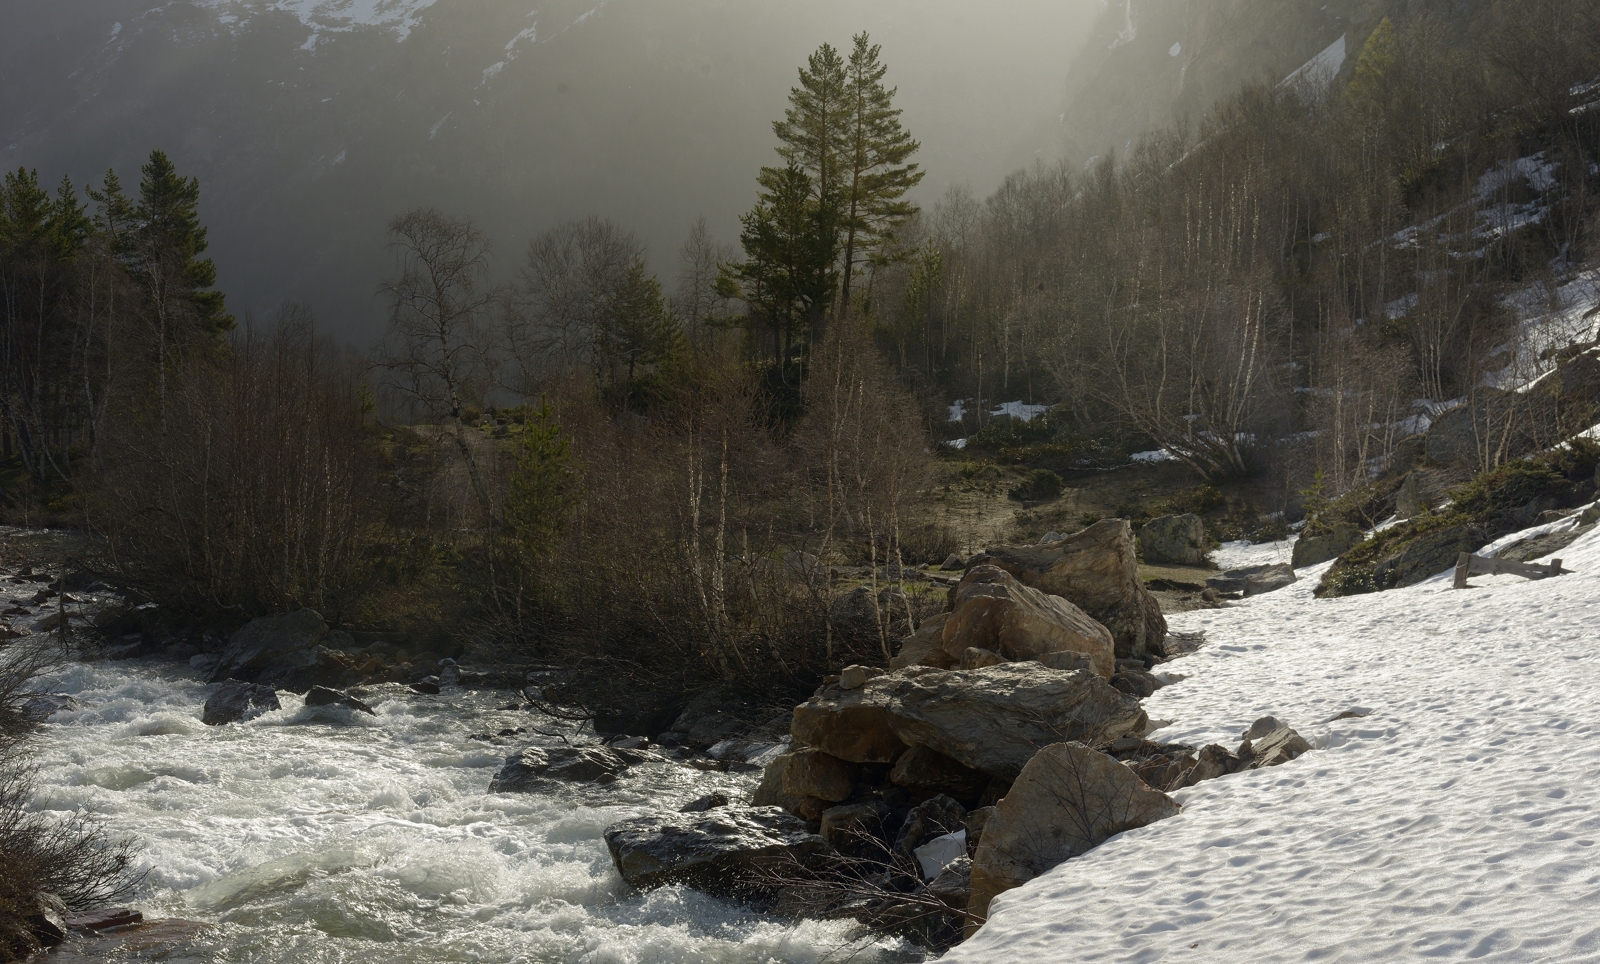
1040 485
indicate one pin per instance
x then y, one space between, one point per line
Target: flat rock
726 852
1253 580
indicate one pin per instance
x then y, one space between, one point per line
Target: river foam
319 834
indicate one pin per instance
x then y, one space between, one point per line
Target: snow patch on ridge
1320 70
326 16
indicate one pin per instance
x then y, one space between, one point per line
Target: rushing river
327 835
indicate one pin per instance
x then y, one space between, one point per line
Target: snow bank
1457 819
1020 410
1320 70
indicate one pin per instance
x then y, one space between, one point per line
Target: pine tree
812 133
875 175
637 329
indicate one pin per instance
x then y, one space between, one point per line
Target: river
328 835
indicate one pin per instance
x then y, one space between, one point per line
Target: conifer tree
812 134
637 329
874 174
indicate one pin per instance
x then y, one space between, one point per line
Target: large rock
287 652
923 772
727 852
1097 571
852 725
1254 580
1178 540
1428 555
323 696
38 707
1068 800
1310 550
994 611
813 773
994 719
46 919
771 791
236 701
1412 499
925 647
533 769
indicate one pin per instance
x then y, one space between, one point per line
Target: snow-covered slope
1458 819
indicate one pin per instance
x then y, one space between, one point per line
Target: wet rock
923 772
532 770
726 852
41 706
323 696
287 652
1311 550
710 801
813 773
993 610
427 687
236 701
103 919
46 920
1097 571
1178 540
1068 800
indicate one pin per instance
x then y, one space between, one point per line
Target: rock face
1068 800
1095 570
535 767
1253 580
1310 550
813 773
994 719
994 611
1178 540
236 701
287 652
852 725
722 852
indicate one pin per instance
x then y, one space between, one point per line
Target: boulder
38 707
770 792
1253 580
1269 743
323 696
925 646
953 886
993 610
856 830
533 769
286 652
1178 540
1310 550
953 563
236 701
1428 555
710 801
853 677
813 773
929 819
994 719
710 718
1068 800
1412 499
427 687
852 725
923 772
726 852
46 919
975 658
1097 571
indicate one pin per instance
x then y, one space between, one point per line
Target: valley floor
1457 818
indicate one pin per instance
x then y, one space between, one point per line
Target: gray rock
1178 540
286 652
726 852
710 801
953 563
931 818
1411 501
427 687
1428 555
1538 547
1253 580
236 701
533 769
1311 550
323 696
1269 743
856 830
41 706
953 886
47 920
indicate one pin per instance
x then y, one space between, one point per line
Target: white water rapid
311 835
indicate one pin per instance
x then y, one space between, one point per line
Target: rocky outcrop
1310 550
727 851
1095 570
533 769
236 701
992 610
1067 800
1428 555
1176 540
287 652
1253 580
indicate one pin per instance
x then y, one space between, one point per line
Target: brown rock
770 792
1095 570
925 646
975 658
1068 800
813 773
1269 743
993 610
849 724
856 830
924 772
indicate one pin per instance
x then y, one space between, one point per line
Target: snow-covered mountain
311 122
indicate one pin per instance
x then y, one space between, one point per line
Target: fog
311 122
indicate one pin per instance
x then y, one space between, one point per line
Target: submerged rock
532 770
726 852
40 707
323 696
236 701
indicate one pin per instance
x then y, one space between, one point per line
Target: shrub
1040 485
